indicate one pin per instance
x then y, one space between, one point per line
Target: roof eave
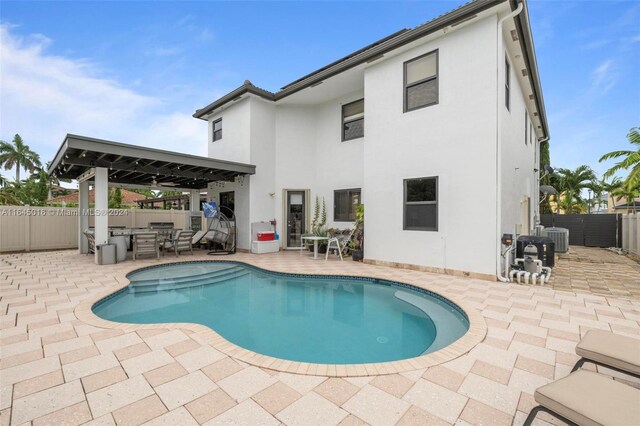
403 37
245 88
526 43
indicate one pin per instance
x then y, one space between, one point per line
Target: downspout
499 58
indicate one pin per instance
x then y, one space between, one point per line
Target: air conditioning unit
560 237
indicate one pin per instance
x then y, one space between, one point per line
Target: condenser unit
560 237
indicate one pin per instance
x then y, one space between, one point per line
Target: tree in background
545 160
569 184
629 160
146 192
629 193
17 154
115 198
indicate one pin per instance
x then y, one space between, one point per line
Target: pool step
194 272
186 282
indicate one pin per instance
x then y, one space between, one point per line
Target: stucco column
83 216
101 207
194 200
194 205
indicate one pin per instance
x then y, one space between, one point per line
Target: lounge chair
588 398
182 241
619 353
146 243
91 240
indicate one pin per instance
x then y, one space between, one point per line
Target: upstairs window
526 127
345 202
507 84
217 130
421 81
421 204
353 120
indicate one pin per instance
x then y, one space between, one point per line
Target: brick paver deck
597 271
55 369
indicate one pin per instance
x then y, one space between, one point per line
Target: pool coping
476 333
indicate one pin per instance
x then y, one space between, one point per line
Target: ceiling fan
154 182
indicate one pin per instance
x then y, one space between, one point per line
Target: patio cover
106 162
141 166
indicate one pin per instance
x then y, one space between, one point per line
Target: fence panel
591 230
50 228
631 233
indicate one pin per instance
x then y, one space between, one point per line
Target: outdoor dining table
315 239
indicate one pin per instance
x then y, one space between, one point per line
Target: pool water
317 319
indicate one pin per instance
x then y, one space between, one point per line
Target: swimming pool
305 318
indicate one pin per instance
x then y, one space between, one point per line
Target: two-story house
436 129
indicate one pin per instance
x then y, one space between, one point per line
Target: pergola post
194 200
194 206
83 216
101 207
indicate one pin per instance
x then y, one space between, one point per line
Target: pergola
103 162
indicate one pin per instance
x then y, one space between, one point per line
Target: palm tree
19 155
630 159
3 181
629 193
570 183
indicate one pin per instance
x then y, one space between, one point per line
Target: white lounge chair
588 398
614 351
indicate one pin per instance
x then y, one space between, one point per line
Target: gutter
499 61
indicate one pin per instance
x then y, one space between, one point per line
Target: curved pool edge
476 333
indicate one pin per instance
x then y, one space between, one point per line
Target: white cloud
603 77
44 96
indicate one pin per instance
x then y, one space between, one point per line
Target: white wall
235 142
299 147
519 180
454 140
295 154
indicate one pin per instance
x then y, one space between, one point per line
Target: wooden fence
631 233
49 228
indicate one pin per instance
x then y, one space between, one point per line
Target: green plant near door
319 218
357 244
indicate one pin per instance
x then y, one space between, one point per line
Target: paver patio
55 369
598 271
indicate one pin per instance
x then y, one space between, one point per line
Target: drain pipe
499 44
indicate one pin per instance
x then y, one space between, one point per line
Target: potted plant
322 245
357 244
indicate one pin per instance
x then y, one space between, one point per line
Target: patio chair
619 353
339 243
146 243
182 241
588 398
91 240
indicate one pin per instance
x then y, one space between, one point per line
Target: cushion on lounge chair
611 349
588 398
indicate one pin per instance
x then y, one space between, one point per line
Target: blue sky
136 71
